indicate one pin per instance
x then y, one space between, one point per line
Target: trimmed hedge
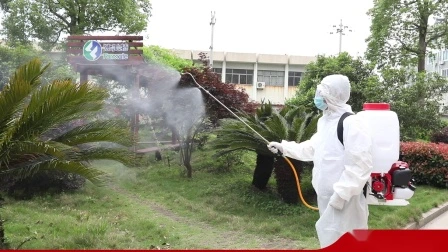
428 162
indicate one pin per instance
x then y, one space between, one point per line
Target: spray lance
264 139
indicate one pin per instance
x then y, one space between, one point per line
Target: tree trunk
186 151
422 53
189 170
3 243
422 43
263 171
174 135
286 181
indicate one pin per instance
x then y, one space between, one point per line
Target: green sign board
93 50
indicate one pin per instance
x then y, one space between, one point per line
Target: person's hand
275 147
336 201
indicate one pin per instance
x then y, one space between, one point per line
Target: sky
293 27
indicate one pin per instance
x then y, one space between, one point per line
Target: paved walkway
436 218
440 222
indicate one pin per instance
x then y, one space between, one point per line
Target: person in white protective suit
340 171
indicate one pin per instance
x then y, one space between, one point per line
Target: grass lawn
155 206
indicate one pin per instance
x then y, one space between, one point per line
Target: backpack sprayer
390 182
264 139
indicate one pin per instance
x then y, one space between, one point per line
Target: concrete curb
428 216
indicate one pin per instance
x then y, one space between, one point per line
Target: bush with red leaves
428 162
233 98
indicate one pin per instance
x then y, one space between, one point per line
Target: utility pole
212 23
340 29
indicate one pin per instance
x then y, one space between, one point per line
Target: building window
445 72
271 78
239 76
294 78
445 55
218 71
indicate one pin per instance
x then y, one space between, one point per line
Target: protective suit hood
335 89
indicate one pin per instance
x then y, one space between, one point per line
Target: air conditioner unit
261 85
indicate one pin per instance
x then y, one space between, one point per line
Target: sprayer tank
385 132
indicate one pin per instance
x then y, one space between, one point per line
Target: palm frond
54 149
235 136
30 72
298 126
278 125
44 162
310 129
114 131
121 155
56 103
265 111
17 151
26 165
14 96
291 123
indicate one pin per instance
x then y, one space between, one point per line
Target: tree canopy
358 71
402 31
413 96
13 57
47 21
165 57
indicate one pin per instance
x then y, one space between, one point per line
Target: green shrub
428 162
226 162
45 181
201 140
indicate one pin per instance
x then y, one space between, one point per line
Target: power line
341 30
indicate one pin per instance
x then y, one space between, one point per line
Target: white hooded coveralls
340 172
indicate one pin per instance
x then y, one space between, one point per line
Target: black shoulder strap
341 126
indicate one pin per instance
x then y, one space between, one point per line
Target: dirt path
211 237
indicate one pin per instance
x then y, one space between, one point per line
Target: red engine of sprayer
383 184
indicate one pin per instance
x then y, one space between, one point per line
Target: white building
438 63
265 77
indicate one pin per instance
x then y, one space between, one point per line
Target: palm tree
291 123
300 126
32 138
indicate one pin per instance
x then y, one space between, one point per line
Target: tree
291 123
40 128
48 20
186 114
233 98
165 57
13 57
401 33
364 83
182 105
415 97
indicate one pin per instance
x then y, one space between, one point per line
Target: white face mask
319 100
320 103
